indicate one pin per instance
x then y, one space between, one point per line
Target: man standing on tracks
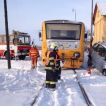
51 76
34 54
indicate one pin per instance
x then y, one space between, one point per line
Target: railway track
36 96
87 100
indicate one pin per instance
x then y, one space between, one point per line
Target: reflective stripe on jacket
57 62
50 82
51 60
33 52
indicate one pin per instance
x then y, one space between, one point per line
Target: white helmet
53 46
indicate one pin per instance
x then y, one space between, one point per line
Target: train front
69 36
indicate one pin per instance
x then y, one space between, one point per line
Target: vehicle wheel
21 57
104 72
6 56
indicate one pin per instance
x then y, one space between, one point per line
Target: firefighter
50 67
58 67
34 54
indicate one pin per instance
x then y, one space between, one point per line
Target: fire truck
19 45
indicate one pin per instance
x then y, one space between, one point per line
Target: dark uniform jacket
52 61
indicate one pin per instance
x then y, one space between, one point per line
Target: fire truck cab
19 45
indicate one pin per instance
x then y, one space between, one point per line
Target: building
99 21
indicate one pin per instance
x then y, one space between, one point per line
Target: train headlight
76 44
76 55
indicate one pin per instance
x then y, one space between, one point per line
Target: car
99 56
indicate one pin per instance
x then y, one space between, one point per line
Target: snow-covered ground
20 85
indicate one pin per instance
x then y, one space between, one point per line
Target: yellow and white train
69 36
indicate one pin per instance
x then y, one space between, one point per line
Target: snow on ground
19 86
67 93
95 86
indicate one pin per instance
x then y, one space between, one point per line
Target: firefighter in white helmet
52 57
58 66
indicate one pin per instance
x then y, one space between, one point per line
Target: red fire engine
19 45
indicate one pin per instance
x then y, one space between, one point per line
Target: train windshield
63 31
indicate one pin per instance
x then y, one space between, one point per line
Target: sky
28 15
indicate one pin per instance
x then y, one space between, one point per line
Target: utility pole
91 18
7 34
91 22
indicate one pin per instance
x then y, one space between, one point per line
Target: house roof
102 9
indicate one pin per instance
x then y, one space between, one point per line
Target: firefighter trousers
50 79
58 74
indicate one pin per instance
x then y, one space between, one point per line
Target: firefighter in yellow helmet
51 75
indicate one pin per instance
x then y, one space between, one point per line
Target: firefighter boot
33 66
52 86
89 70
47 85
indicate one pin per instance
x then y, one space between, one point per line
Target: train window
64 34
63 31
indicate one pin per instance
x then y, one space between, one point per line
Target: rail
36 96
87 100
